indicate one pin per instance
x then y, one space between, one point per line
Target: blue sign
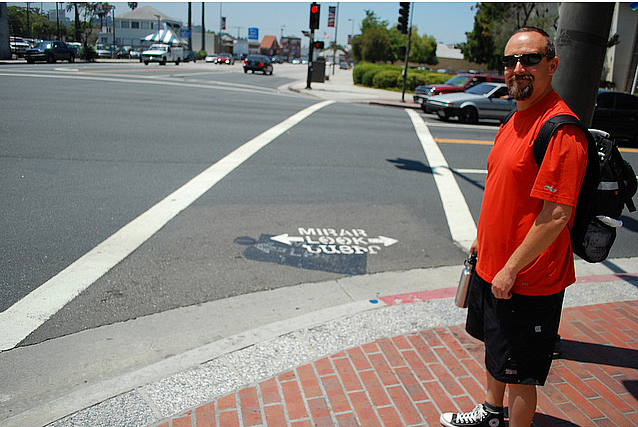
184 34
253 33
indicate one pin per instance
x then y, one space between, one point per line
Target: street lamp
158 22
352 31
113 14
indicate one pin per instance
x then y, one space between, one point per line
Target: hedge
360 69
386 79
391 76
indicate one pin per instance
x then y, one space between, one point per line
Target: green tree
40 26
423 49
494 23
373 44
102 10
84 13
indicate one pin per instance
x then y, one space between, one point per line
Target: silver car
483 101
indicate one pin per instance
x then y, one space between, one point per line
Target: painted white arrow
386 241
286 239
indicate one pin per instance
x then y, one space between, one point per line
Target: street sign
253 33
184 34
343 251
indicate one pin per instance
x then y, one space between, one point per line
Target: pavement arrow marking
385 241
289 240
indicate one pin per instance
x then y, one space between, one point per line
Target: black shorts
519 333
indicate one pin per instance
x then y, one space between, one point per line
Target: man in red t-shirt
523 246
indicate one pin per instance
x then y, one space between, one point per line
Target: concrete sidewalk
391 360
409 379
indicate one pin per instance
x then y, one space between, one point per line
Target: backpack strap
508 117
592 172
547 130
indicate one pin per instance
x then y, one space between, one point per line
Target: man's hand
503 283
551 221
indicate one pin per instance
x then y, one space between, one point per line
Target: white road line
460 222
156 80
26 315
468 171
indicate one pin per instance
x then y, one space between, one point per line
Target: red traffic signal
319 45
314 16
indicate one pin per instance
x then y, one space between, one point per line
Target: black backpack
608 186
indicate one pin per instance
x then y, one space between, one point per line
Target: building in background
269 46
621 62
133 26
290 48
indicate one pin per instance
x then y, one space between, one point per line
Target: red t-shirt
515 190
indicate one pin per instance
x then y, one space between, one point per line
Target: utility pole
190 26
203 29
334 45
581 45
57 20
405 27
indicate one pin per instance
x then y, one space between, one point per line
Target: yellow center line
485 142
463 141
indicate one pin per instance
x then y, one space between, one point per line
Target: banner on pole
332 10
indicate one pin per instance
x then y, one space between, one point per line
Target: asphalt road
88 148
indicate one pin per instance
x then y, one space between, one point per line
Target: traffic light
319 45
404 12
314 16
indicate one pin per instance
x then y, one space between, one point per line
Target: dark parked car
258 63
617 114
189 55
458 83
50 51
225 58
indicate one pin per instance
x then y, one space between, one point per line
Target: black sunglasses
527 59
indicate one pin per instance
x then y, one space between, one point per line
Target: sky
447 22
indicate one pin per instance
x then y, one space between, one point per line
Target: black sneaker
479 417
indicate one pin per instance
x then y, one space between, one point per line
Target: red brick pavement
409 380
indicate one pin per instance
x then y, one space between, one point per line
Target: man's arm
548 225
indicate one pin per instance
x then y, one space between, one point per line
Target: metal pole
310 58
113 15
203 29
190 26
57 19
334 46
407 54
581 43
